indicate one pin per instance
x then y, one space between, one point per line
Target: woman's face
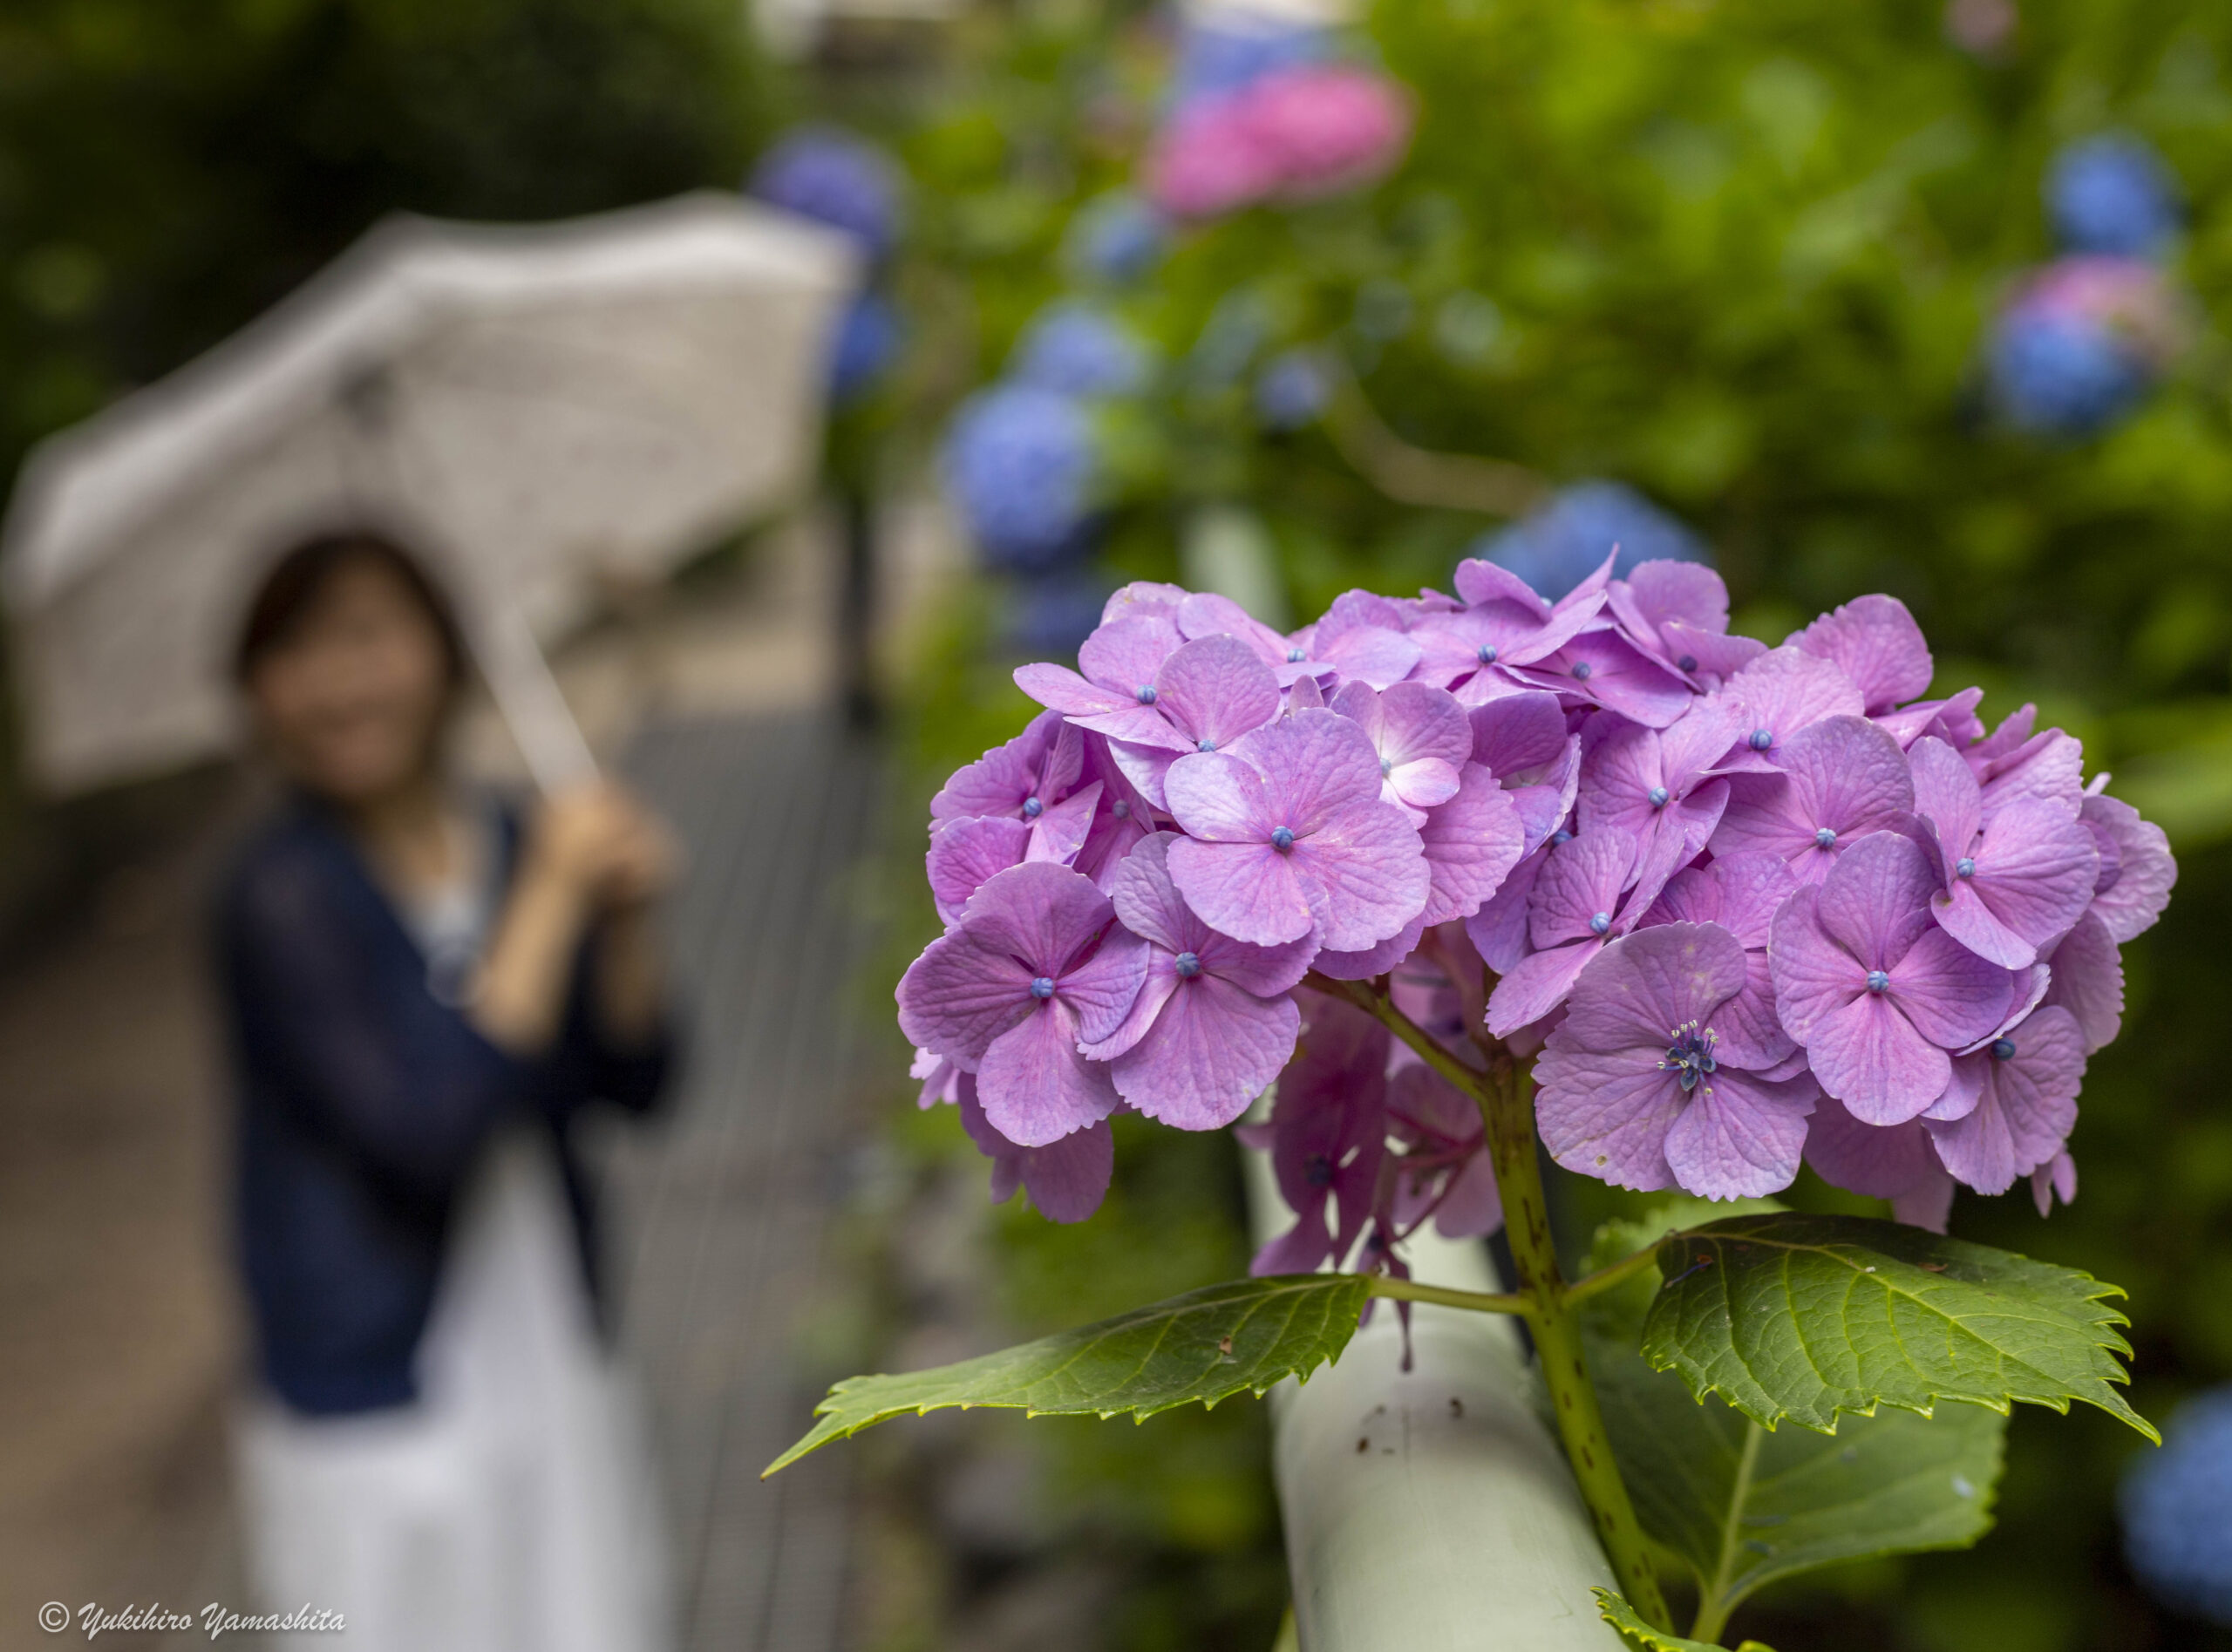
350 701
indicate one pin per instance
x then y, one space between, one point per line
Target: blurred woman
423 994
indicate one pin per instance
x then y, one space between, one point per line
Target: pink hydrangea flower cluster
1745 906
1297 132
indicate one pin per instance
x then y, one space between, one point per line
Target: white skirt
512 1508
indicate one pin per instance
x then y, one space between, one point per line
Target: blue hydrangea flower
1117 239
2062 374
835 178
1081 351
867 343
1561 544
1021 464
1292 390
1216 60
2114 194
1052 613
2177 1510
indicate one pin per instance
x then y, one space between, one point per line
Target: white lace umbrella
533 407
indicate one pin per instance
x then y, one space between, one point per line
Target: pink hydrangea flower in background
1332 126
1876 992
1641 1087
1297 132
1035 964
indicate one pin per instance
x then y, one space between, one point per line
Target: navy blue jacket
365 1102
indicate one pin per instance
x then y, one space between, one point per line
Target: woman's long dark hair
299 578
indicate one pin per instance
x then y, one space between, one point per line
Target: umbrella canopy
532 407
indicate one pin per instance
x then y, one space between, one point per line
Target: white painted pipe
1429 1508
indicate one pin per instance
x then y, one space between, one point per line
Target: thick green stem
1506 1097
1507 1105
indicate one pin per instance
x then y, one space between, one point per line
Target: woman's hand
600 845
593 856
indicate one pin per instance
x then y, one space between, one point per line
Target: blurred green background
1739 254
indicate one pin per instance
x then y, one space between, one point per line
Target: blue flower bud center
1878 981
1486 656
1599 922
1032 808
1295 656
1561 836
1386 767
1691 1055
1964 868
1687 662
1761 739
1580 671
1123 810
1205 745
1043 988
2003 1049
1318 1171
1283 839
1658 796
1826 837
1146 693
1188 965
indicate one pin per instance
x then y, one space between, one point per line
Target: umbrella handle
528 699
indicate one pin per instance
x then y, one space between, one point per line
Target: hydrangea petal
1951 995
1471 842
1249 891
1537 984
960 994
1741 1138
1364 876
965 852
1375 960
1873 1161
1036 1088
1212 1051
2027 1107
1214 690
1600 1115
1064 1181
1870 1057
2088 981
1579 881
2145 870
1519 734
1875 641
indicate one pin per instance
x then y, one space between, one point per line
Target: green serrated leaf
1207 1345
1741 1506
1803 1318
1638 1634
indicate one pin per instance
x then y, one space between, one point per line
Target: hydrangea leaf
1742 1507
1207 1345
1640 1636
1802 1317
